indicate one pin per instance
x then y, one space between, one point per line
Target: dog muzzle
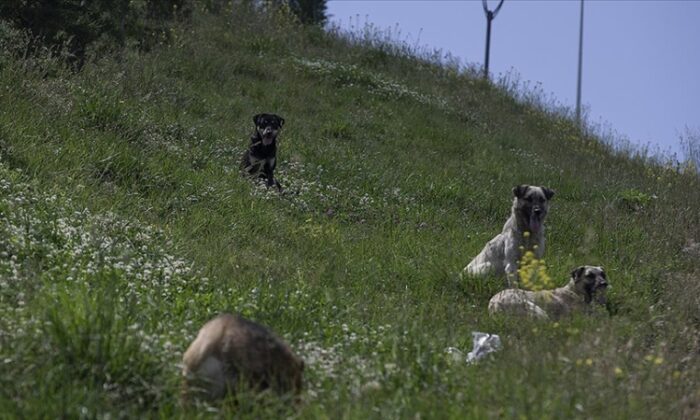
536 221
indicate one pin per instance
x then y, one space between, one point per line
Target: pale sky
641 59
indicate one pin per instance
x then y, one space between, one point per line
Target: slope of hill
125 225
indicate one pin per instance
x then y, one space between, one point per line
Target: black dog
260 158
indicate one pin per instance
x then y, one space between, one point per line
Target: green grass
125 226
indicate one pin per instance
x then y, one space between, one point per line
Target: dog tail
245 161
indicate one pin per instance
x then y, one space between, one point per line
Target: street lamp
490 15
580 65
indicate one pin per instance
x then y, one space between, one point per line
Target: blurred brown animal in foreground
230 351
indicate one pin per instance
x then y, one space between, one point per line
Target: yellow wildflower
533 273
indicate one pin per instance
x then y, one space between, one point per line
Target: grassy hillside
125 225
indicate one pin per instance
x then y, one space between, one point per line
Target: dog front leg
269 170
269 173
511 276
539 251
511 267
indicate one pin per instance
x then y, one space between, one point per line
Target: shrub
99 24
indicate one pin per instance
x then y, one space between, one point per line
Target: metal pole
580 65
489 18
490 15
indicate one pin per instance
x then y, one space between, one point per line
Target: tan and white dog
230 350
587 284
524 227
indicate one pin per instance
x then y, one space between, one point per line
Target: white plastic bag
484 344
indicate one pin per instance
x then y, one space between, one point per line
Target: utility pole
490 15
580 65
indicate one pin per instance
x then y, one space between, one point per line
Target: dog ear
577 273
548 192
520 190
256 119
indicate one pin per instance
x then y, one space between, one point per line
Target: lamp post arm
495 11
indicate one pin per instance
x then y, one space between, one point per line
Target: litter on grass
483 344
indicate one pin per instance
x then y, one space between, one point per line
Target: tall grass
126 225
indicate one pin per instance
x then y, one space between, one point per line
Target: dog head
267 127
532 205
591 282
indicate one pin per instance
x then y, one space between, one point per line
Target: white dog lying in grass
588 284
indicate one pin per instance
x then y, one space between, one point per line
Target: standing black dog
260 158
